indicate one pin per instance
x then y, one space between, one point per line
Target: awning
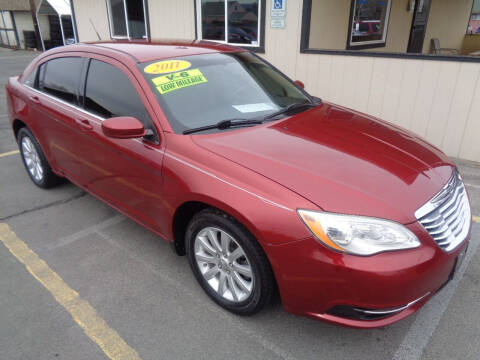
61 7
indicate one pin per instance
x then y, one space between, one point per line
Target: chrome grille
447 216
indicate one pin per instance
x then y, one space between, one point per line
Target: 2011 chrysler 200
354 220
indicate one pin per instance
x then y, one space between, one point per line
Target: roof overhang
55 7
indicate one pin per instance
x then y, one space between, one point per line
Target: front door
419 26
125 172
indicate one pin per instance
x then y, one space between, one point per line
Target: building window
239 22
127 19
368 23
416 28
7 31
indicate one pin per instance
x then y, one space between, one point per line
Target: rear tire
228 262
35 161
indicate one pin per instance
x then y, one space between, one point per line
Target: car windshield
201 90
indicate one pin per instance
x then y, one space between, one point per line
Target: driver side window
109 93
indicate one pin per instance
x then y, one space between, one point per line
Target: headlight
359 235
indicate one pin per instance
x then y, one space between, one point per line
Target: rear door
126 172
53 101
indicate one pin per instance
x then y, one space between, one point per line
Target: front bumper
313 280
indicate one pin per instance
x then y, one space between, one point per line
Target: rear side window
30 80
109 93
61 78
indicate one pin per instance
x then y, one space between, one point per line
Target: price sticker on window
178 80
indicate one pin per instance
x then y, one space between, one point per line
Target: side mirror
300 84
123 127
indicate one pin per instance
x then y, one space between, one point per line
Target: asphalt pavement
80 281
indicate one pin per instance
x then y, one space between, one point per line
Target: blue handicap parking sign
278 4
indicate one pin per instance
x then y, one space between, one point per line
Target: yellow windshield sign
167 66
178 80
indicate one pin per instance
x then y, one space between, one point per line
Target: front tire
35 161
228 262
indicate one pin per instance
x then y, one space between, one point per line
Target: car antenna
94 28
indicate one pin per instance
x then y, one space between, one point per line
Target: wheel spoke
35 171
27 144
205 258
232 288
225 242
212 236
242 269
235 254
238 280
206 245
222 283
211 273
39 171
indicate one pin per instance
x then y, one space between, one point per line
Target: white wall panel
172 19
442 102
470 143
88 12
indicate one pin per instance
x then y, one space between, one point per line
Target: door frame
410 38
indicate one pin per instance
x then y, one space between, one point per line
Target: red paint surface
122 127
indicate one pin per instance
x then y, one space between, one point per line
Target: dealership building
415 63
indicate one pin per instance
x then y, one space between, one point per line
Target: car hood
340 160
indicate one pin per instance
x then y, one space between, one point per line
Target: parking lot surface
134 299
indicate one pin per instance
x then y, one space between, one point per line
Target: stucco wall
448 21
398 28
329 24
88 12
172 19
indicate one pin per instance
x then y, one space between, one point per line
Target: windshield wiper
224 124
289 108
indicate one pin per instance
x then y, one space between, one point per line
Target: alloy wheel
32 159
223 264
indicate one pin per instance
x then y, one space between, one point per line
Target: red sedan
261 185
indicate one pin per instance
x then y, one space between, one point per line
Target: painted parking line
9 153
81 311
476 219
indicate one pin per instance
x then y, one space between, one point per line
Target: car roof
149 50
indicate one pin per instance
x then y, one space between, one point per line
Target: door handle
84 124
35 99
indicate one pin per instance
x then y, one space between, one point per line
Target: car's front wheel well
17 125
182 217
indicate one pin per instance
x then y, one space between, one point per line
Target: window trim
305 38
146 21
368 44
260 48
